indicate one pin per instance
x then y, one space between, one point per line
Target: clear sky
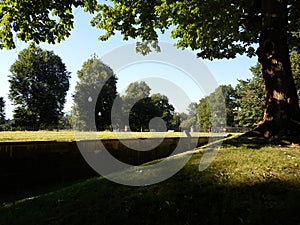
84 42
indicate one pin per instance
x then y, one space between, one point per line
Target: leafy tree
165 110
135 106
214 112
2 110
230 97
274 25
251 94
137 90
295 62
182 116
250 101
175 125
94 97
141 114
142 108
199 25
39 21
117 118
217 109
191 119
66 121
204 113
39 82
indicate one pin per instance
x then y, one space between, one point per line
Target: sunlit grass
37 135
71 135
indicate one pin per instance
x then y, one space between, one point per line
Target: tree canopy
94 96
191 118
295 62
165 111
142 109
39 82
38 21
195 24
216 110
204 113
250 99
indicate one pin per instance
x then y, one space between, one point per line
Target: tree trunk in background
281 118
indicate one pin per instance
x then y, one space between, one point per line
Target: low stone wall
38 162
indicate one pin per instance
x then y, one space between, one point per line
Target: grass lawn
249 182
70 135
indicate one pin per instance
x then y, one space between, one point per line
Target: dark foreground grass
249 182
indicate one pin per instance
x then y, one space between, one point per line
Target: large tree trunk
281 118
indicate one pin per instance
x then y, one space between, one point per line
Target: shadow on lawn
247 142
190 197
186 198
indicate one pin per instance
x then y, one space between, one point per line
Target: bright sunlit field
71 135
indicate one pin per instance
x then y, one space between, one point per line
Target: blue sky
84 42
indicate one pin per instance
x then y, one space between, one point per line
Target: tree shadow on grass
189 197
168 203
262 203
247 142
225 193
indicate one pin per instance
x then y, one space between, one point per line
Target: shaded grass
259 184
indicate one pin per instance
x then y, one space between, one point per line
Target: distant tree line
39 82
98 106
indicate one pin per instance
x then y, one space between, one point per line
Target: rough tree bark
281 117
